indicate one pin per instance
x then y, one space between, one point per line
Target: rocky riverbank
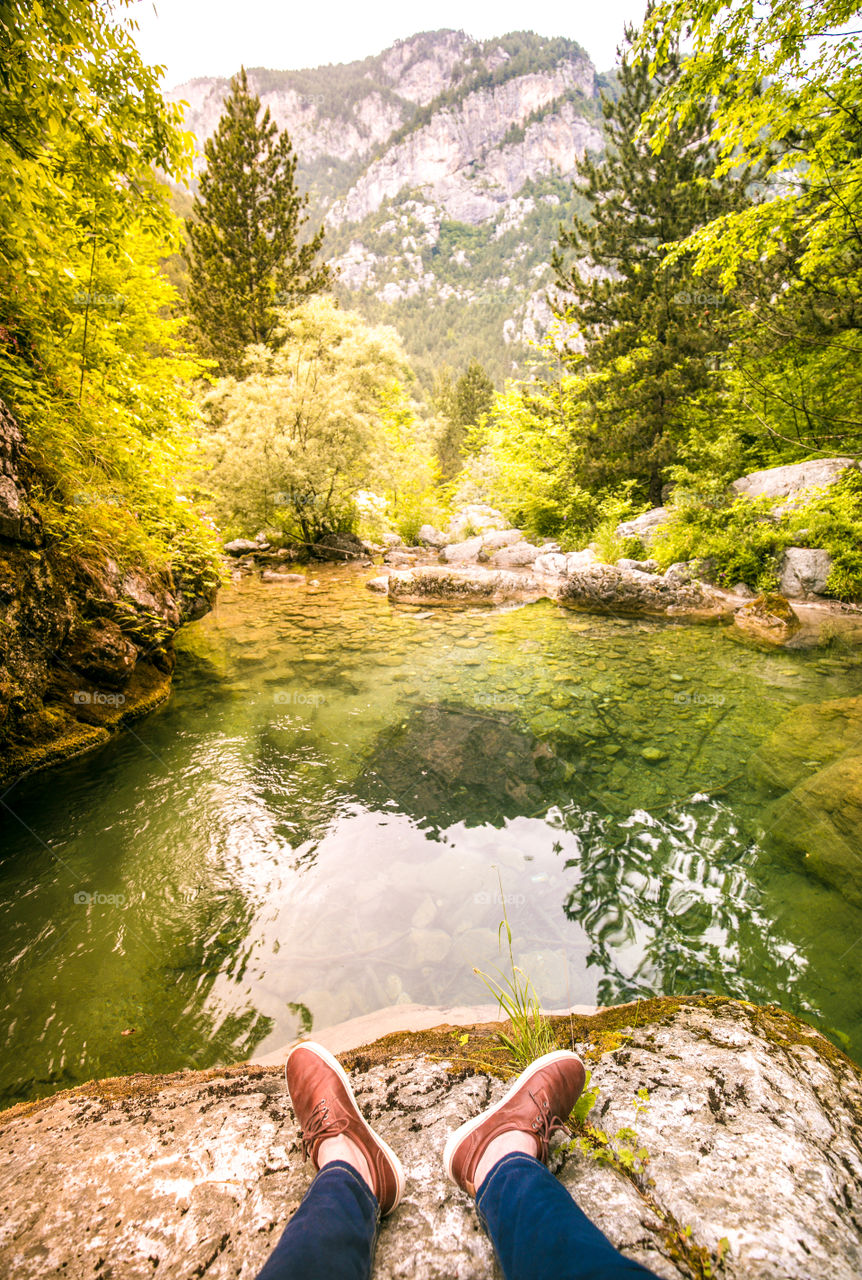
85 647
750 1120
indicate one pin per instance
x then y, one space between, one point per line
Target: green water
313 826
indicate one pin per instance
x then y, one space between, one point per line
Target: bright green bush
833 521
742 540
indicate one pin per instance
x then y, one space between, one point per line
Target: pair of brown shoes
538 1102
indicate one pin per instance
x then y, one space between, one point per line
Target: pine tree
245 255
462 405
652 335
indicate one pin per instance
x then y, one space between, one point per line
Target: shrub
833 520
742 540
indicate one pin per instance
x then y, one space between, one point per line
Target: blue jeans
537 1230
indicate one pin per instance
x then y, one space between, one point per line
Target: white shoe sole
458 1135
336 1066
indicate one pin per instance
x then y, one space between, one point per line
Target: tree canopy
310 425
91 358
246 255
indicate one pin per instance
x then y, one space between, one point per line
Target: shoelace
544 1124
320 1127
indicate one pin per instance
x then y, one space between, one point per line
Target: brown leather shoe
326 1108
538 1102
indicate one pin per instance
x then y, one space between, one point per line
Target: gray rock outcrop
466 552
611 589
587 584
440 158
85 647
644 526
752 1124
439 584
804 572
793 480
517 556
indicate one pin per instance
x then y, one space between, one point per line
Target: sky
214 37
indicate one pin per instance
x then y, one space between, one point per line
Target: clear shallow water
314 824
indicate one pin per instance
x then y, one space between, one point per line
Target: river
341 798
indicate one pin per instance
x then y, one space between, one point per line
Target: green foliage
611 510
245 259
621 1150
787 93
585 1103
526 467
532 1034
313 424
651 341
742 540
463 406
92 361
833 520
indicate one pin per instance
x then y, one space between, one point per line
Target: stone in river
819 824
426 947
424 913
750 1128
653 754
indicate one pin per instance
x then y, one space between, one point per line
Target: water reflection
446 764
313 827
674 904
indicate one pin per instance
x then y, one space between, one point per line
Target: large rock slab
584 583
819 825
644 526
438 584
804 571
753 1127
793 480
609 589
466 552
517 556
478 517
809 738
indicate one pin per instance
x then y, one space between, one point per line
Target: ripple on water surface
314 825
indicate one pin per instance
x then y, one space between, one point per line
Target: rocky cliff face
377 99
443 168
84 646
460 160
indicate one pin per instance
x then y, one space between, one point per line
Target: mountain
443 169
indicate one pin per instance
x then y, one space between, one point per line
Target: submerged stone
819 824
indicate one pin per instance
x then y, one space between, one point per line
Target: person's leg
333 1232
499 1157
539 1232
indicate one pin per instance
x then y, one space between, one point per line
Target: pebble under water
319 822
